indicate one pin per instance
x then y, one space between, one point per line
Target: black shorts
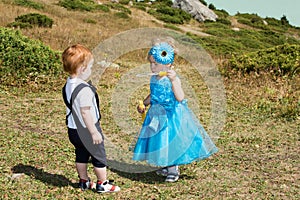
82 153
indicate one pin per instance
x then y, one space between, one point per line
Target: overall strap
74 95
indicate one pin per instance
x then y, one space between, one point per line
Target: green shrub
203 2
217 46
76 5
118 7
224 21
122 15
272 21
172 26
19 25
221 13
140 7
83 5
30 4
170 19
32 19
170 15
103 8
211 6
23 60
124 2
279 60
164 3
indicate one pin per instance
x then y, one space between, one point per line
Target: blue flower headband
162 53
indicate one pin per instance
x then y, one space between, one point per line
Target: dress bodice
162 93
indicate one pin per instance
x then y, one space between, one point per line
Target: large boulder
198 11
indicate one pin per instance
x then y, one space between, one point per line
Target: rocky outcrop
198 11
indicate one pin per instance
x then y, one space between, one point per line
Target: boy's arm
90 125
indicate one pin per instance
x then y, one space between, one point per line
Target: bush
171 26
170 15
124 2
23 60
221 13
279 60
203 2
122 15
224 21
211 6
140 7
118 7
83 5
19 25
103 8
30 4
32 19
76 5
168 3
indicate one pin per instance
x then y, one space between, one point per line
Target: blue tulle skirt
172 137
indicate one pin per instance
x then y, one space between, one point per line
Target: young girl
83 118
171 135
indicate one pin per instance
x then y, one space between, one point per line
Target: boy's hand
97 138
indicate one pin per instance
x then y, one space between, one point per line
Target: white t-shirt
85 98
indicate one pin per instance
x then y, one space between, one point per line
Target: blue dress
171 134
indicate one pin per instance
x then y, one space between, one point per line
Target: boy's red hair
76 56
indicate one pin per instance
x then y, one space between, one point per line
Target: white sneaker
107 186
162 171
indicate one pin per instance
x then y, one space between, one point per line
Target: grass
258 156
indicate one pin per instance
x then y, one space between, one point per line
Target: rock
198 11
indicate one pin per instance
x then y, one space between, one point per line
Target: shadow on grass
48 178
149 177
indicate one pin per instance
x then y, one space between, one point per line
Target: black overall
81 137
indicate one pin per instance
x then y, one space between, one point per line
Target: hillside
256 66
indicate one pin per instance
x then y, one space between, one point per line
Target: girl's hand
171 74
141 109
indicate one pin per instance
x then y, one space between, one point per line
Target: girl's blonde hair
168 40
160 40
76 56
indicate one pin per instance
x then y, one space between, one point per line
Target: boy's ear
79 70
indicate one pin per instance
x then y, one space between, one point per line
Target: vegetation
280 60
258 154
30 4
170 15
82 5
24 60
30 20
